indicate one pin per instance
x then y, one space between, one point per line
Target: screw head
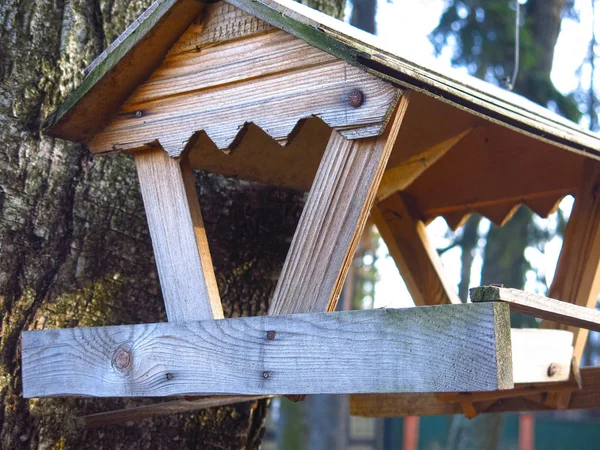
265 375
169 376
271 334
122 358
139 114
356 98
552 370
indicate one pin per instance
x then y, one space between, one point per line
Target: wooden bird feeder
272 91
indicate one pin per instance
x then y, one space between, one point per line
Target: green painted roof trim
110 58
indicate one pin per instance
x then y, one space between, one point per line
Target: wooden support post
180 247
416 258
436 349
333 220
577 277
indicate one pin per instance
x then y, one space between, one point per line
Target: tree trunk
74 240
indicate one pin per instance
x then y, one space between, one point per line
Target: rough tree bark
74 243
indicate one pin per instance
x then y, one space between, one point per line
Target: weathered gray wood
429 349
540 306
184 265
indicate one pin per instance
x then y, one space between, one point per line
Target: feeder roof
132 57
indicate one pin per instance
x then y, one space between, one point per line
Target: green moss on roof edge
111 59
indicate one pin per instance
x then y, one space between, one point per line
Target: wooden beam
163 409
333 220
399 177
434 349
401 405
540 306
416 258
542 363
577 276
180 247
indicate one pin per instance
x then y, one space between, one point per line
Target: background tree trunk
74 240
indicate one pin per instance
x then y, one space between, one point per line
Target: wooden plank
162 409
272 80
333 220
533 351
540 306
416 258
432 349
180 247
116 72
400 405
577 277
402 175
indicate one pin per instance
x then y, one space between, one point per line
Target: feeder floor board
427 349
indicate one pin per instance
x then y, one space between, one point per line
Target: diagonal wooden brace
333 220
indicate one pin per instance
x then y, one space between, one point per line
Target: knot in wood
122 358
271 335
356 98
551 370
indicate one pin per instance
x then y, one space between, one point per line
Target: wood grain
463 92
416 258
178 237
333 220
540 306
577 278
437 349
271 79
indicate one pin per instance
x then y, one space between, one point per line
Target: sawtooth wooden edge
416 258
444 348
180 247
402 405
271 79
467 93
539 306
333 220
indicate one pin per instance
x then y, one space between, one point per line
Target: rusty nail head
551 370
271 334
265 375
169 376
356 98
139 114
122 358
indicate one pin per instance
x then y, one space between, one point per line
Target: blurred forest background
75 249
